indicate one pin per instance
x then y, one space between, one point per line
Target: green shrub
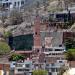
4 48
16 57
40 72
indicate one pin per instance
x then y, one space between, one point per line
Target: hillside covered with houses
37 37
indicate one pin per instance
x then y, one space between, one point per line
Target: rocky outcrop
22 29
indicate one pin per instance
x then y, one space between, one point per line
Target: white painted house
12 3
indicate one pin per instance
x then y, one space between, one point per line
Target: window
52 64
46 49
47 64
10 3
59 53
22 2
50 73
18 3
6 0
14 3
14 63
19 65
57 69
53 70
60 61
50 49
7 4
57 49
56 53
27 65
60 45
36 64
38 50
35 33
49 53
26 70
53 53
20 69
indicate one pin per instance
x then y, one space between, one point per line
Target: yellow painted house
4 69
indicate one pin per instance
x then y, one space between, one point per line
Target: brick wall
72 64
37 38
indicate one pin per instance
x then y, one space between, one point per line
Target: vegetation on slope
70 54
16 57
4 48
40 72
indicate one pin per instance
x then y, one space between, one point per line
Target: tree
16 57
4 48
40 72
70 54
7 34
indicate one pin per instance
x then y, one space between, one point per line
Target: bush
16 57
7 34
4 48
70 54
39 72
